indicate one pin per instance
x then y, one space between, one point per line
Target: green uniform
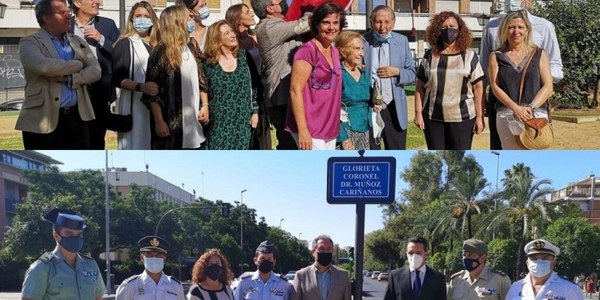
51 277
489 285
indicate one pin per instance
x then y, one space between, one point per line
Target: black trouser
277 107
97 127
448 135
71 133
394 137
495 143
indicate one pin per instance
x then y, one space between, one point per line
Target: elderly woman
355 118
516 55
240 18
232 90
211 277
316 86
448 99
129 62
175 109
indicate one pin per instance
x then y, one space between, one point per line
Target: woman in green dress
232 90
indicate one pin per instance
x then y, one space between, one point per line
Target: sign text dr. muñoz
355 180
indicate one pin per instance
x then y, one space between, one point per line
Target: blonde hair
503 29
174 35
212 48
344 42
154 30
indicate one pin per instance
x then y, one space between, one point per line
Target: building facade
13 187
586 194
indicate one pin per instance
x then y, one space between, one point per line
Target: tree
423 177
502 254
462 197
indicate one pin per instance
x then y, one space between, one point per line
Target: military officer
477 281
542 282
152 283
64 273
263 284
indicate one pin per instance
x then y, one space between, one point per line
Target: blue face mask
539 267
142 24
203 13
382 38
191 26
72 244
512 5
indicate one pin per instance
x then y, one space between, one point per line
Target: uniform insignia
276 291
140 290
499 272
248 291
132 278
483 291
154 242
46 257
538 245
551 296
89 274
171 293
459 273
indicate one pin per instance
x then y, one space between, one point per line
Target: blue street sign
361 180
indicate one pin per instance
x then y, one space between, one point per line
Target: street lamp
242 226
2 10
280 223
496 197
483 19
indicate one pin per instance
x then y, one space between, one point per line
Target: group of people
65 273
186 86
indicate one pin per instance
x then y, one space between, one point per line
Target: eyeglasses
321 85
64 13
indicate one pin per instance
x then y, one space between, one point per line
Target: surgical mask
324 259
471 264
154 264
284 7
191 26
539 267
512 5
72 244
449 35
203 14
265 266
382 38
415 261
214 271
141 24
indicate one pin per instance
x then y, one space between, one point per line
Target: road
373 289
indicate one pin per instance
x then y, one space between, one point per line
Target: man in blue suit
392 72
100 33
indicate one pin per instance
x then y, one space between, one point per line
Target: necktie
417 285
385 83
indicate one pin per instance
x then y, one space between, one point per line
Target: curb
576 120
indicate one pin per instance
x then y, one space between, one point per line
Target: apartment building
586 194
13 187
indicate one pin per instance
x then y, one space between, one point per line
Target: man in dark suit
417 281
100 33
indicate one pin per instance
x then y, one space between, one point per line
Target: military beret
266 247
64 218
153 243
475 246
541 246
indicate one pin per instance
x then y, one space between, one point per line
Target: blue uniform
252 287
51 277
555 288
142 287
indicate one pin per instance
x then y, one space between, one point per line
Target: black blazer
400 288
102 91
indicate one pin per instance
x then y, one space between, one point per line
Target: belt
69 110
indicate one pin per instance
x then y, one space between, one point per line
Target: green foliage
423 177
578 33
502 254
578 241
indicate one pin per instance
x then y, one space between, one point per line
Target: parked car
383 277
369 273
290 277
375 274
12 105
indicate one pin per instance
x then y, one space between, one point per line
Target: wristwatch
138 87
530 105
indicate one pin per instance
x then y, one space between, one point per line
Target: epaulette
46 257
499 272
282 277
173 278
246 276
459 273
132 278
85 256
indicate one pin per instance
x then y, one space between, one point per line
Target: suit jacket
103 91
402 59
43 71
400 287
306 287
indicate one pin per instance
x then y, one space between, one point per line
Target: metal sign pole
358 251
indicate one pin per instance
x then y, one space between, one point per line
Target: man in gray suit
57 67
321 280
392 72
277 41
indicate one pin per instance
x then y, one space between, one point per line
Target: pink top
322 93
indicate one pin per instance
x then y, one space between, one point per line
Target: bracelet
204 104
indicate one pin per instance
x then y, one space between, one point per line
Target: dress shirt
78 31
324 282
413 275
68 96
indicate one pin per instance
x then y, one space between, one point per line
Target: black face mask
471 264
265 266
449 35
324 259
284 7
214 271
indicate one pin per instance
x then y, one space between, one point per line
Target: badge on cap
538 245
153 243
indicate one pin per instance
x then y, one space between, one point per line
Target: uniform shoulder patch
246 276
85 256
459 273
130 279
499 272
174 279
46 257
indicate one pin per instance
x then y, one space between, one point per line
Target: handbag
122 123
538 133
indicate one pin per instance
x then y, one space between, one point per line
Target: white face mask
512 5
415 261
154 264
539 267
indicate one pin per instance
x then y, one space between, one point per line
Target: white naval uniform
555 288
142 287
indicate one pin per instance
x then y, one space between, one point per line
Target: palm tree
465 188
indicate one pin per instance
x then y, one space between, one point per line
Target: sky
289 188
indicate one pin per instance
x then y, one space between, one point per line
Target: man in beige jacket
57 67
